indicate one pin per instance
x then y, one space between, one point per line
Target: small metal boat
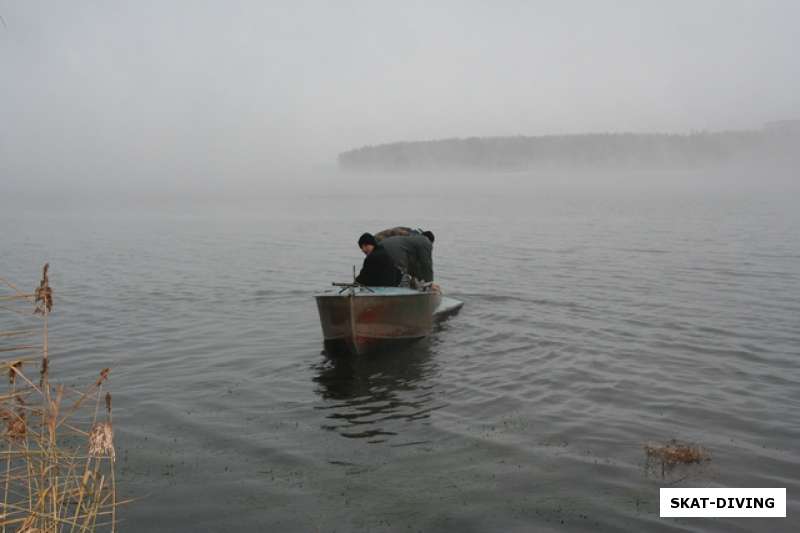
359 319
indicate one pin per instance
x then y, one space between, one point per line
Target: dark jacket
379 270
413 255
397 231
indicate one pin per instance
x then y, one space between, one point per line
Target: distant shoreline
776 141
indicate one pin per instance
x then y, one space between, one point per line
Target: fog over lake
224 96
613 188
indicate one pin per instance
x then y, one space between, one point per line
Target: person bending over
397 231
412 254
378 269
402 231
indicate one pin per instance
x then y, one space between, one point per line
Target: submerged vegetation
57 442
674 453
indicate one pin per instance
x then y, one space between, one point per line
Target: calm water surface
594 323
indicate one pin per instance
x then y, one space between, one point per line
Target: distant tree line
588 151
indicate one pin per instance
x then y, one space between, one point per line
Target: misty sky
195 90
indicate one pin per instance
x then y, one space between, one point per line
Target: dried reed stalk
56 444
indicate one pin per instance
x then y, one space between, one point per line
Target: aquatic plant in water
57 446
673 453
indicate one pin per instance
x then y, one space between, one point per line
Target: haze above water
175 164
178 97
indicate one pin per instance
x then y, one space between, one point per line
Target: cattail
108 403
101 441
13 368
44 294
17 428
103 376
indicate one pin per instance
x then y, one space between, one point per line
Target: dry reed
57 444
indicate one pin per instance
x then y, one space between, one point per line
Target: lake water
594 323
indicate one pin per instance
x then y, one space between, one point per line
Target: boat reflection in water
374 379
378 396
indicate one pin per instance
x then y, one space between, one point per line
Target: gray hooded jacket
412 254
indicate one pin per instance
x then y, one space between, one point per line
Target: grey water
596 320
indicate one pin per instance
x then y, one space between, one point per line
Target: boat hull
362 321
